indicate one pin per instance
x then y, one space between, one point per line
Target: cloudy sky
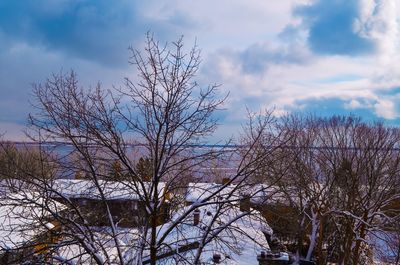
314 56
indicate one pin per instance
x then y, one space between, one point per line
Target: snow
21 218
197 192
236 235
258 193
128 239
246 234
385 246
113 190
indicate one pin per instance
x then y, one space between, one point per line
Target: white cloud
359 80
229 23
386 109
379 21
353 104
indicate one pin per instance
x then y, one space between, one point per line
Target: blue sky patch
331 27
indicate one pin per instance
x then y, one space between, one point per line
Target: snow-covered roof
112 190
199 191
22 217
246 235
258 193
11 185
128 240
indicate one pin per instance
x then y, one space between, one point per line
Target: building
125 200
26 229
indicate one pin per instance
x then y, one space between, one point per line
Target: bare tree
341 182
364 164
168 117
18 162
304 194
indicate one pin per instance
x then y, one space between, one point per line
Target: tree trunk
153 246
348 240
300 238
356 252
314 234
320 254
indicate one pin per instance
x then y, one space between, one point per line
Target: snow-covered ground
386 246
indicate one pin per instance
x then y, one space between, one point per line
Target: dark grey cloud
331 27
39 37
256 58
97 30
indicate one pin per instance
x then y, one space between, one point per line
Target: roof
258 193
112 190
197 192
246 234
22 218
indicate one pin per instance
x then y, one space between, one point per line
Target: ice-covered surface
112 190
22 218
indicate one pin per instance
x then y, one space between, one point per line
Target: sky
323 57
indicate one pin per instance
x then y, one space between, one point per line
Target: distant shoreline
132 144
